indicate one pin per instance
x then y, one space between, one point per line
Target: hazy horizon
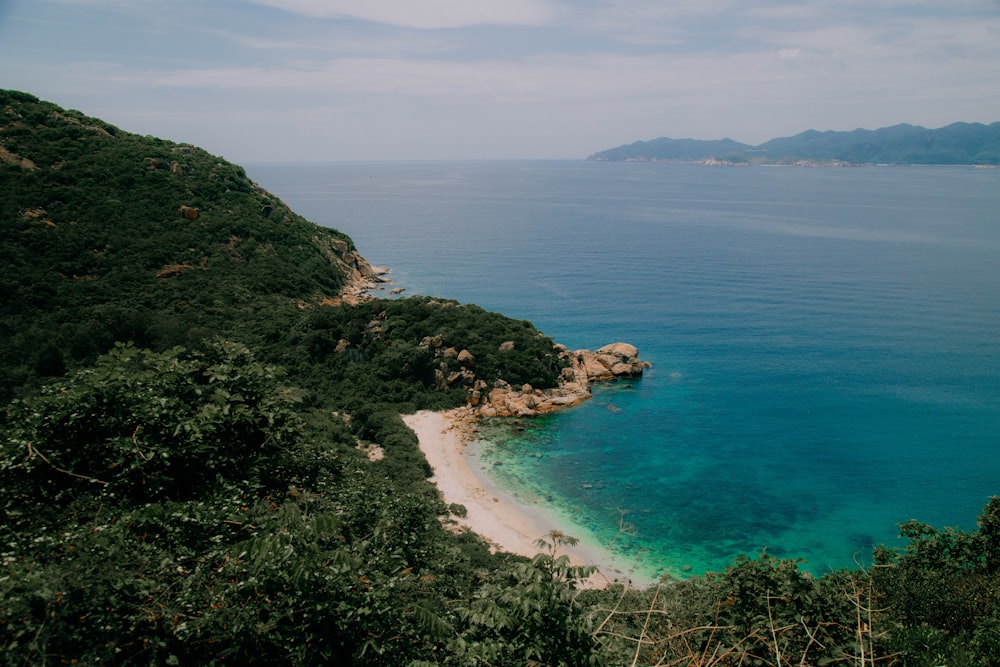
343 80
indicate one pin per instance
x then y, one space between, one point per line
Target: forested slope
110 236
188 406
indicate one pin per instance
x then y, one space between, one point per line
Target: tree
140 426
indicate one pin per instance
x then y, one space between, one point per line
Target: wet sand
506 522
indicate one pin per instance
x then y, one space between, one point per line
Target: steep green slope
110 236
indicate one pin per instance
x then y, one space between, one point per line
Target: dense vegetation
184 462
958 143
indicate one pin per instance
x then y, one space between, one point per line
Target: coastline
508 523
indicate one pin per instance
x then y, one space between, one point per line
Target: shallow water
825 342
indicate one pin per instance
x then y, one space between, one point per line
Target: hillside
958 143
109 236
203 462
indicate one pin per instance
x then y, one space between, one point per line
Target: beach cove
505 520
825 343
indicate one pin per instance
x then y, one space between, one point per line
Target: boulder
592 365
584 367
466 359
623 350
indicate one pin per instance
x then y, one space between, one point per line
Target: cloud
424 14
558 80
368 83
345 42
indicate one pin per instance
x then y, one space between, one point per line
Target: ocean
825 343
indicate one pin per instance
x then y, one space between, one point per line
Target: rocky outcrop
611 362
580 369
361 276
6 157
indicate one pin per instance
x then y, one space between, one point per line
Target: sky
334 80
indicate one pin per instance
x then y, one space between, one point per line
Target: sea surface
825 343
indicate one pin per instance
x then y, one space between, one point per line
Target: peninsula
955 144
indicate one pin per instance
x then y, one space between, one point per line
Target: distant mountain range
958 143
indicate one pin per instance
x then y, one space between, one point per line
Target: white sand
508 523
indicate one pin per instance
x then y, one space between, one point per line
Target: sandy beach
506 522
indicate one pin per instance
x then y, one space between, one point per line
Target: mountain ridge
959 143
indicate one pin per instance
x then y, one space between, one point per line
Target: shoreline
506 522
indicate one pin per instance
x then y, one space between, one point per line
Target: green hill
958 143
110 236
665 149
188 400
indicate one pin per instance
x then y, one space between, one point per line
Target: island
955 144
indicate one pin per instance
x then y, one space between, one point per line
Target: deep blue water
825 342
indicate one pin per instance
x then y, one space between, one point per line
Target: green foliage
762 611
94 248
163 524
140 426
933 602
942 590
185 509
527 614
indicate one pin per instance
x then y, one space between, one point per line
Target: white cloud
577 78
424 14
315 89
346 43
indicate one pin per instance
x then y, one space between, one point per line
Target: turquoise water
825 342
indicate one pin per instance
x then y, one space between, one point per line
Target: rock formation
361 276
617 360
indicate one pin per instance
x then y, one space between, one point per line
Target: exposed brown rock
618 360
361 276
466 359
38 214
7 157
171 270
179 169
